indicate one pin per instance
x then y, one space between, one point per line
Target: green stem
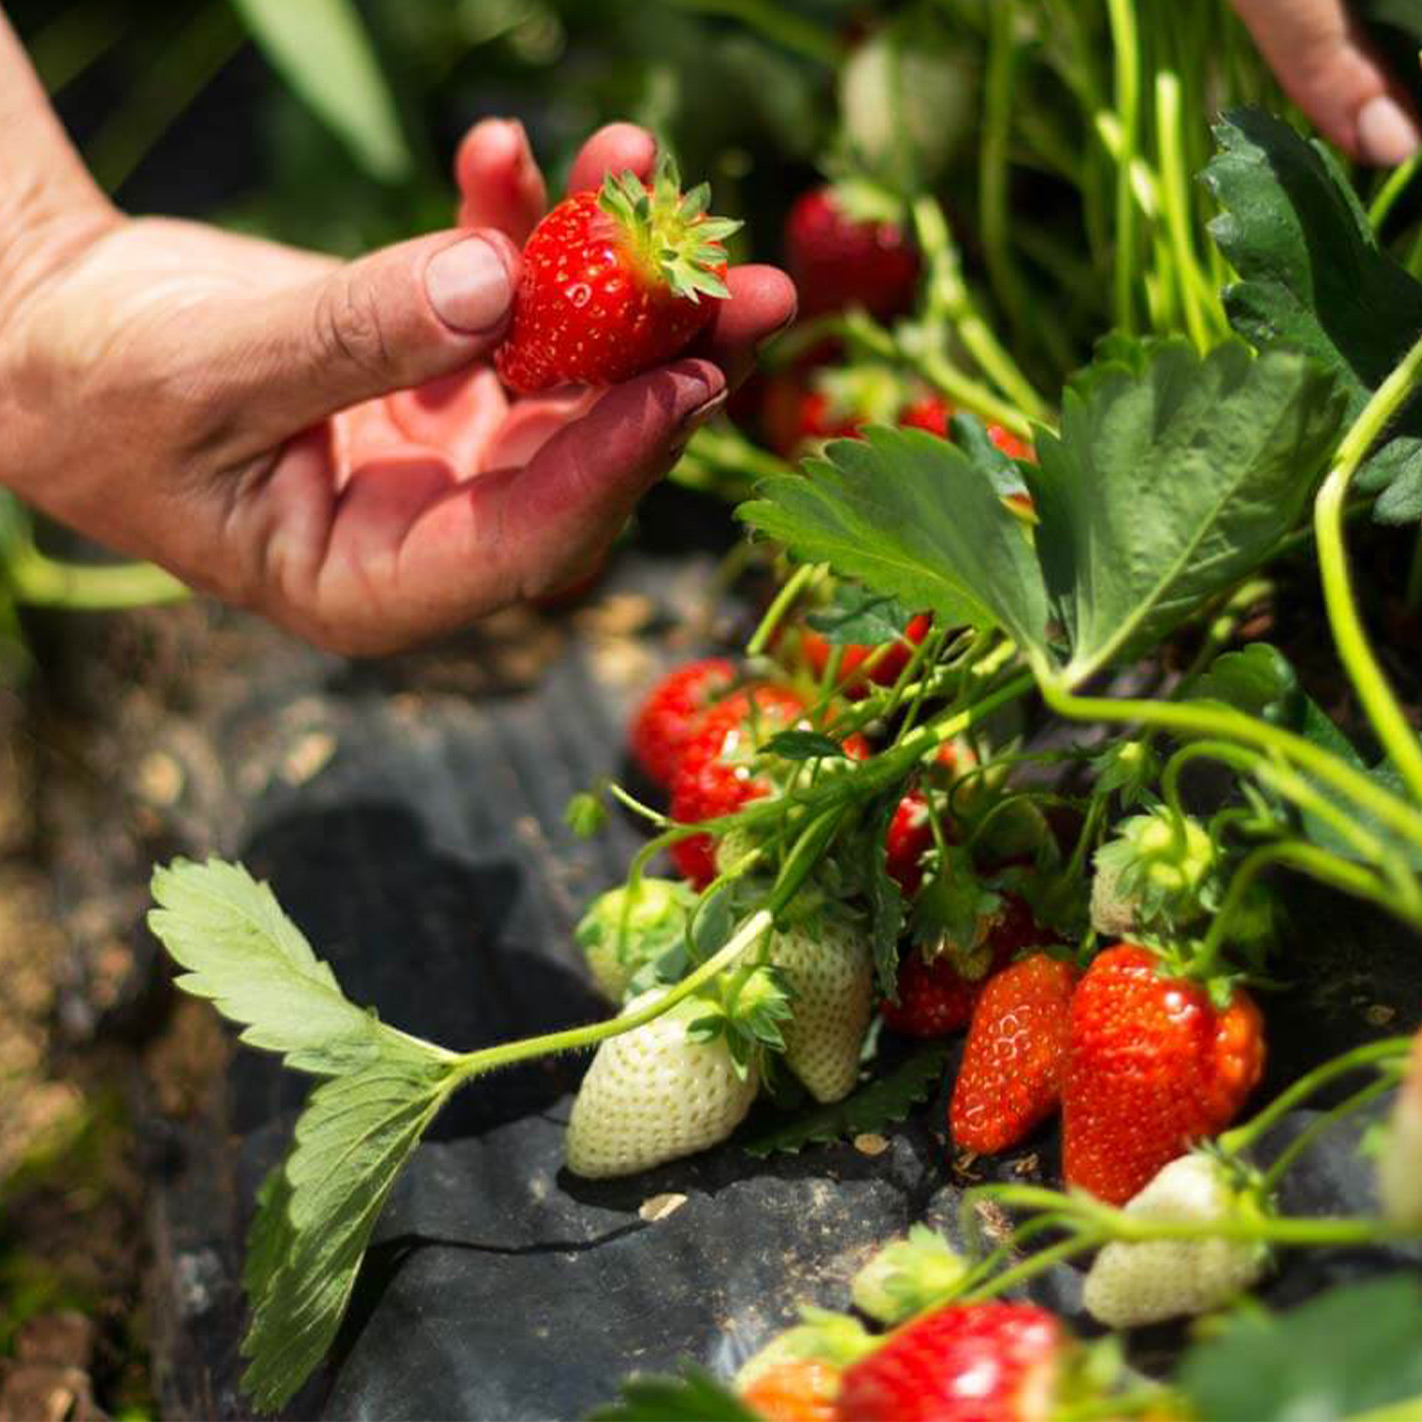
965 392
785 599
1389 721
724 447
47 582
1243 1136
471 1064
1126 47
1223 723
951 293
1175 202
1391 190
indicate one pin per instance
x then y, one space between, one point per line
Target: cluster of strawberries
1140 1061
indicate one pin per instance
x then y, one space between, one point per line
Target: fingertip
1387 133
763 302
499 180
614 148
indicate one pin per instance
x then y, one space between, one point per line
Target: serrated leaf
310 1234
1259 679
913 517
695 1396
878 1104
1394 473
1355 1349
1167 484
247 957
323 50
802 745
1312 275
859 618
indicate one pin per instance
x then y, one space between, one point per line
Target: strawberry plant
891 804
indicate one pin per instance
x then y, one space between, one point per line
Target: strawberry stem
1387 1050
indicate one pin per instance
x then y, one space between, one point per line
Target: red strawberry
714 777
1011 1077
796 1390
908 839
614 282
671 713
1153 1065
884 672
1009 443
984 1362
794 417
931 413
910 833
935 998
836 261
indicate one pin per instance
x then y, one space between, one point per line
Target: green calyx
670 233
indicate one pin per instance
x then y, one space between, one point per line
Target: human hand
328 444
1321 57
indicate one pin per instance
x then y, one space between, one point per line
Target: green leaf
879 1103
1169 483
971 436
323 51
1172 477
246 956
313 1226
1260 680
802 745
913 517
859 618
315 1213
1356 1348
695 1396
1394 473
1312 276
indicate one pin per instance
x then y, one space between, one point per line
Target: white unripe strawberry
828 967
1143 1282
908 1276
654 1094
1400 1158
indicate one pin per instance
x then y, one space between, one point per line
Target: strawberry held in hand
1153 1066
615 282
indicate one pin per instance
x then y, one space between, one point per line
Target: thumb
392 320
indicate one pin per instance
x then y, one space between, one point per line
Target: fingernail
1386 134
468 286
694 419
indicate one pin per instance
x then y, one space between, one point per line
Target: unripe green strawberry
1400 1160
1156 872
828 967
908 1276
1144 1282
655 1094
833 1338
629 928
